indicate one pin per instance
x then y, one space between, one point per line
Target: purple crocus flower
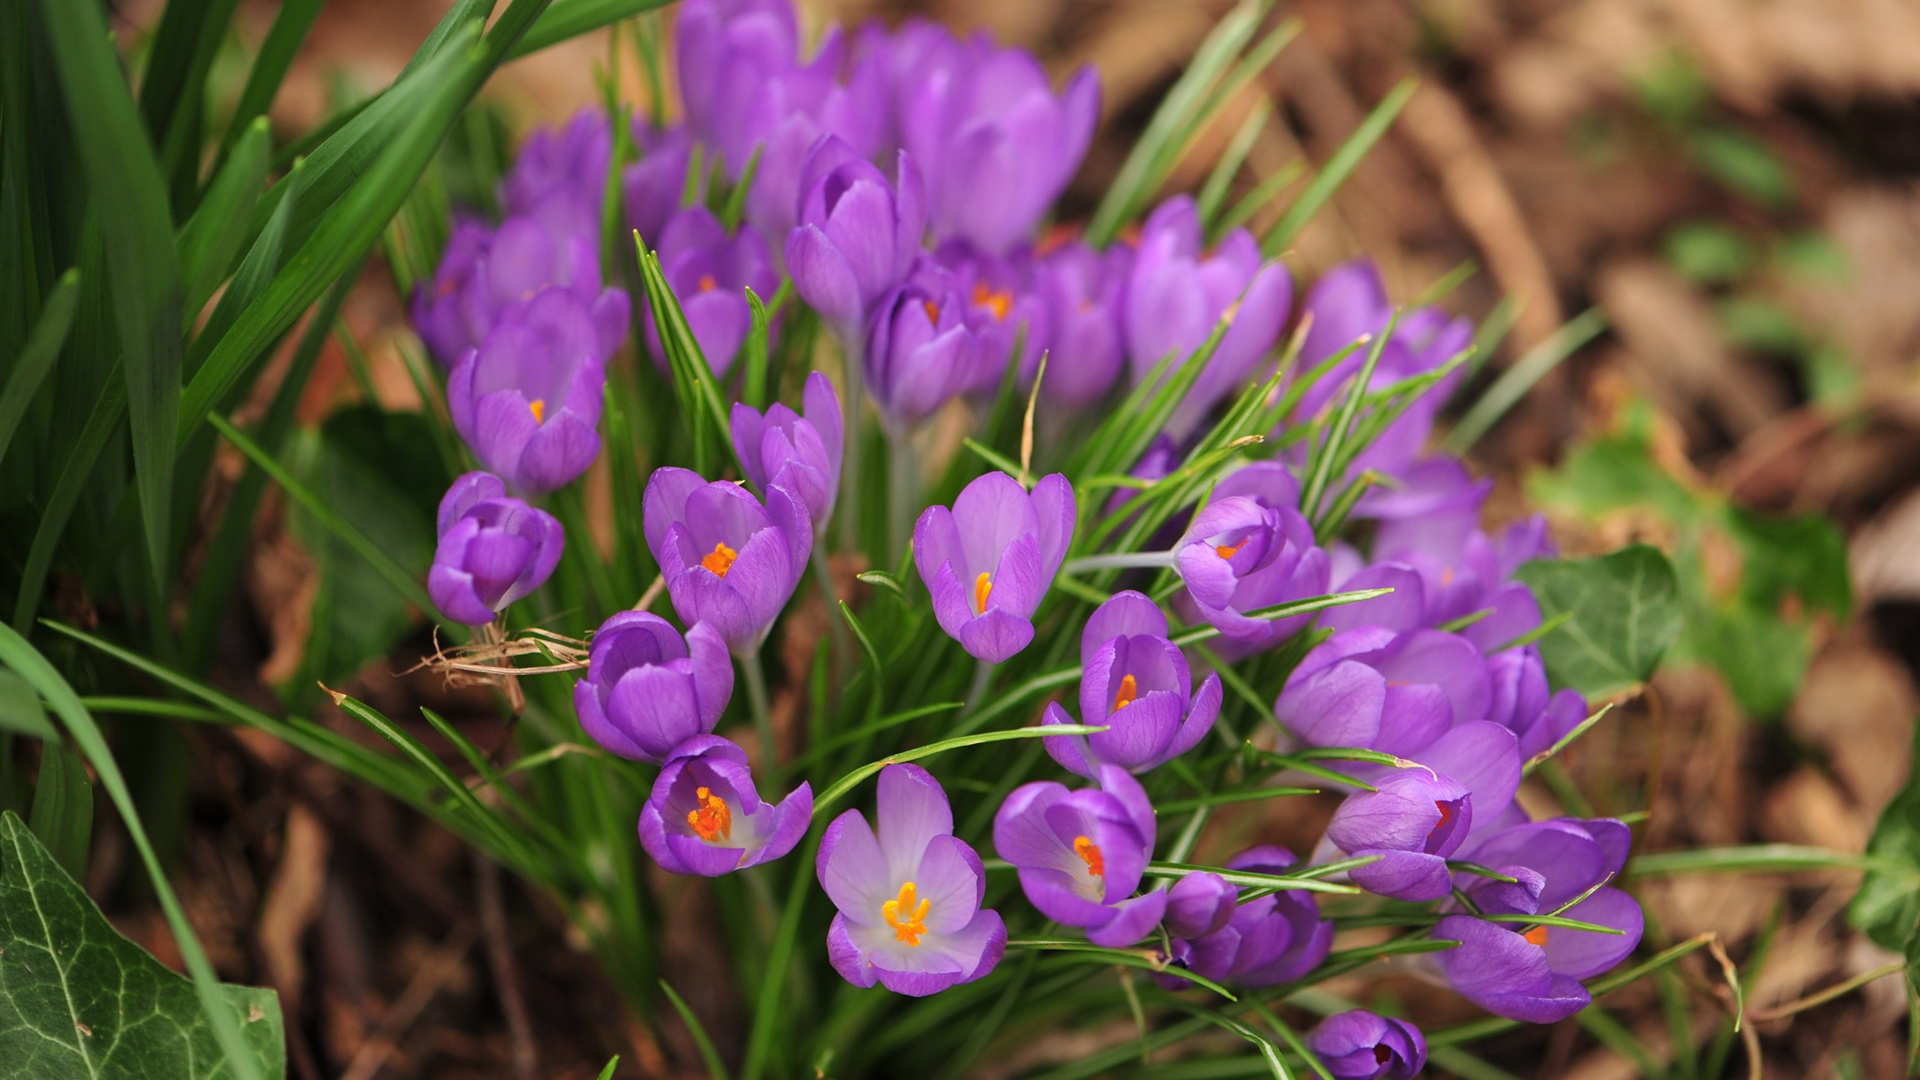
652 185
909 898
1001 307
1268 940
858 233
705 817
728 560
1411 824
1081 854
570 162
1176 296
648 689
989 560
493 550
1239 556
709 273
1135 682
1360 1045
528 399
998 146
799 453
1085 293
452 313
1370 687
924 347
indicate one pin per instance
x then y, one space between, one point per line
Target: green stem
981 677
851 348
756 680
903 496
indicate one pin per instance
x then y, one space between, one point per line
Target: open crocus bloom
1239 556
909 897
705 816
858 232
1360 1045
709 272
1370 687
1081 854
1412 823
799 453
493 550
728 561
648 690
1136 682
989 560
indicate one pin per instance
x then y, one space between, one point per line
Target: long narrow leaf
1338 168
33 363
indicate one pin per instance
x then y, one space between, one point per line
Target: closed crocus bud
729 561
1371 687
451 313
709 272
1268 940
493 550
1199 904
528 400
705 817
1360 1045
1085 293
922 351
1176 295
1137 684
729 54
651 186
648 689
858 232
909 894
798 452
1081 854
1411 823
1239 556
571 160
989 560
998 145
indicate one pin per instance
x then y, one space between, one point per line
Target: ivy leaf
1887 907
78 1000
1625 612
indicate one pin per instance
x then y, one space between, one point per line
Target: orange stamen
1129 689
1536 936
1446 576
538 407
933 311
914 923
707 284
720 559
982 588
999 302
713 819
1446 815
1228 551
1089 853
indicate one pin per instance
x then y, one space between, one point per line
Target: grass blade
34 361
270 65
1514 383
211 239
709 1055
1338 168
576 17
853 779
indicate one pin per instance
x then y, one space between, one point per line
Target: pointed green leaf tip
79 1002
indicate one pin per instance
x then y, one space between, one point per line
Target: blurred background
1733 184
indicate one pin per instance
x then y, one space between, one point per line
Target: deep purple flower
1085 293
1411 824
799 453
909 898
1000 306
858 233
1372 688
705 816
989 560
1176 296
1199 904
728 560
1239 556
924 347
1081 854
452 313
998 146
648 689
709 273
528 400
1360 1045
1135 682
1269 940
652 185
570 162
493 550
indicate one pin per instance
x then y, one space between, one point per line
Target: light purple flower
709 273
528 400
1410 824
989 560
909 898
1085 293
1081 854
1136 682
1176 295
705 817
924 347
1359 1045
569 162
493 550
1239 556
799 453
1000 304
728 560
652 185
858 233
1372 688
1268 940
648 689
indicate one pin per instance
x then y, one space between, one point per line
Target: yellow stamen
707 284
538 406
713 820
1129 689
1228 551
914 923
1536 936
720 559
982 588
999 302
1089 853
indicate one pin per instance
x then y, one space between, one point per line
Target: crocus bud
493 550
922 350
1081 854
1135 682
1199 904
728 561
570 161
648 690
1372 688
1176 296
709 273
909 894
528 400
651 186
1239 556
1085 293
858 233
1412 822
1267 941
989 560
705 817
799 453
1360 1045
